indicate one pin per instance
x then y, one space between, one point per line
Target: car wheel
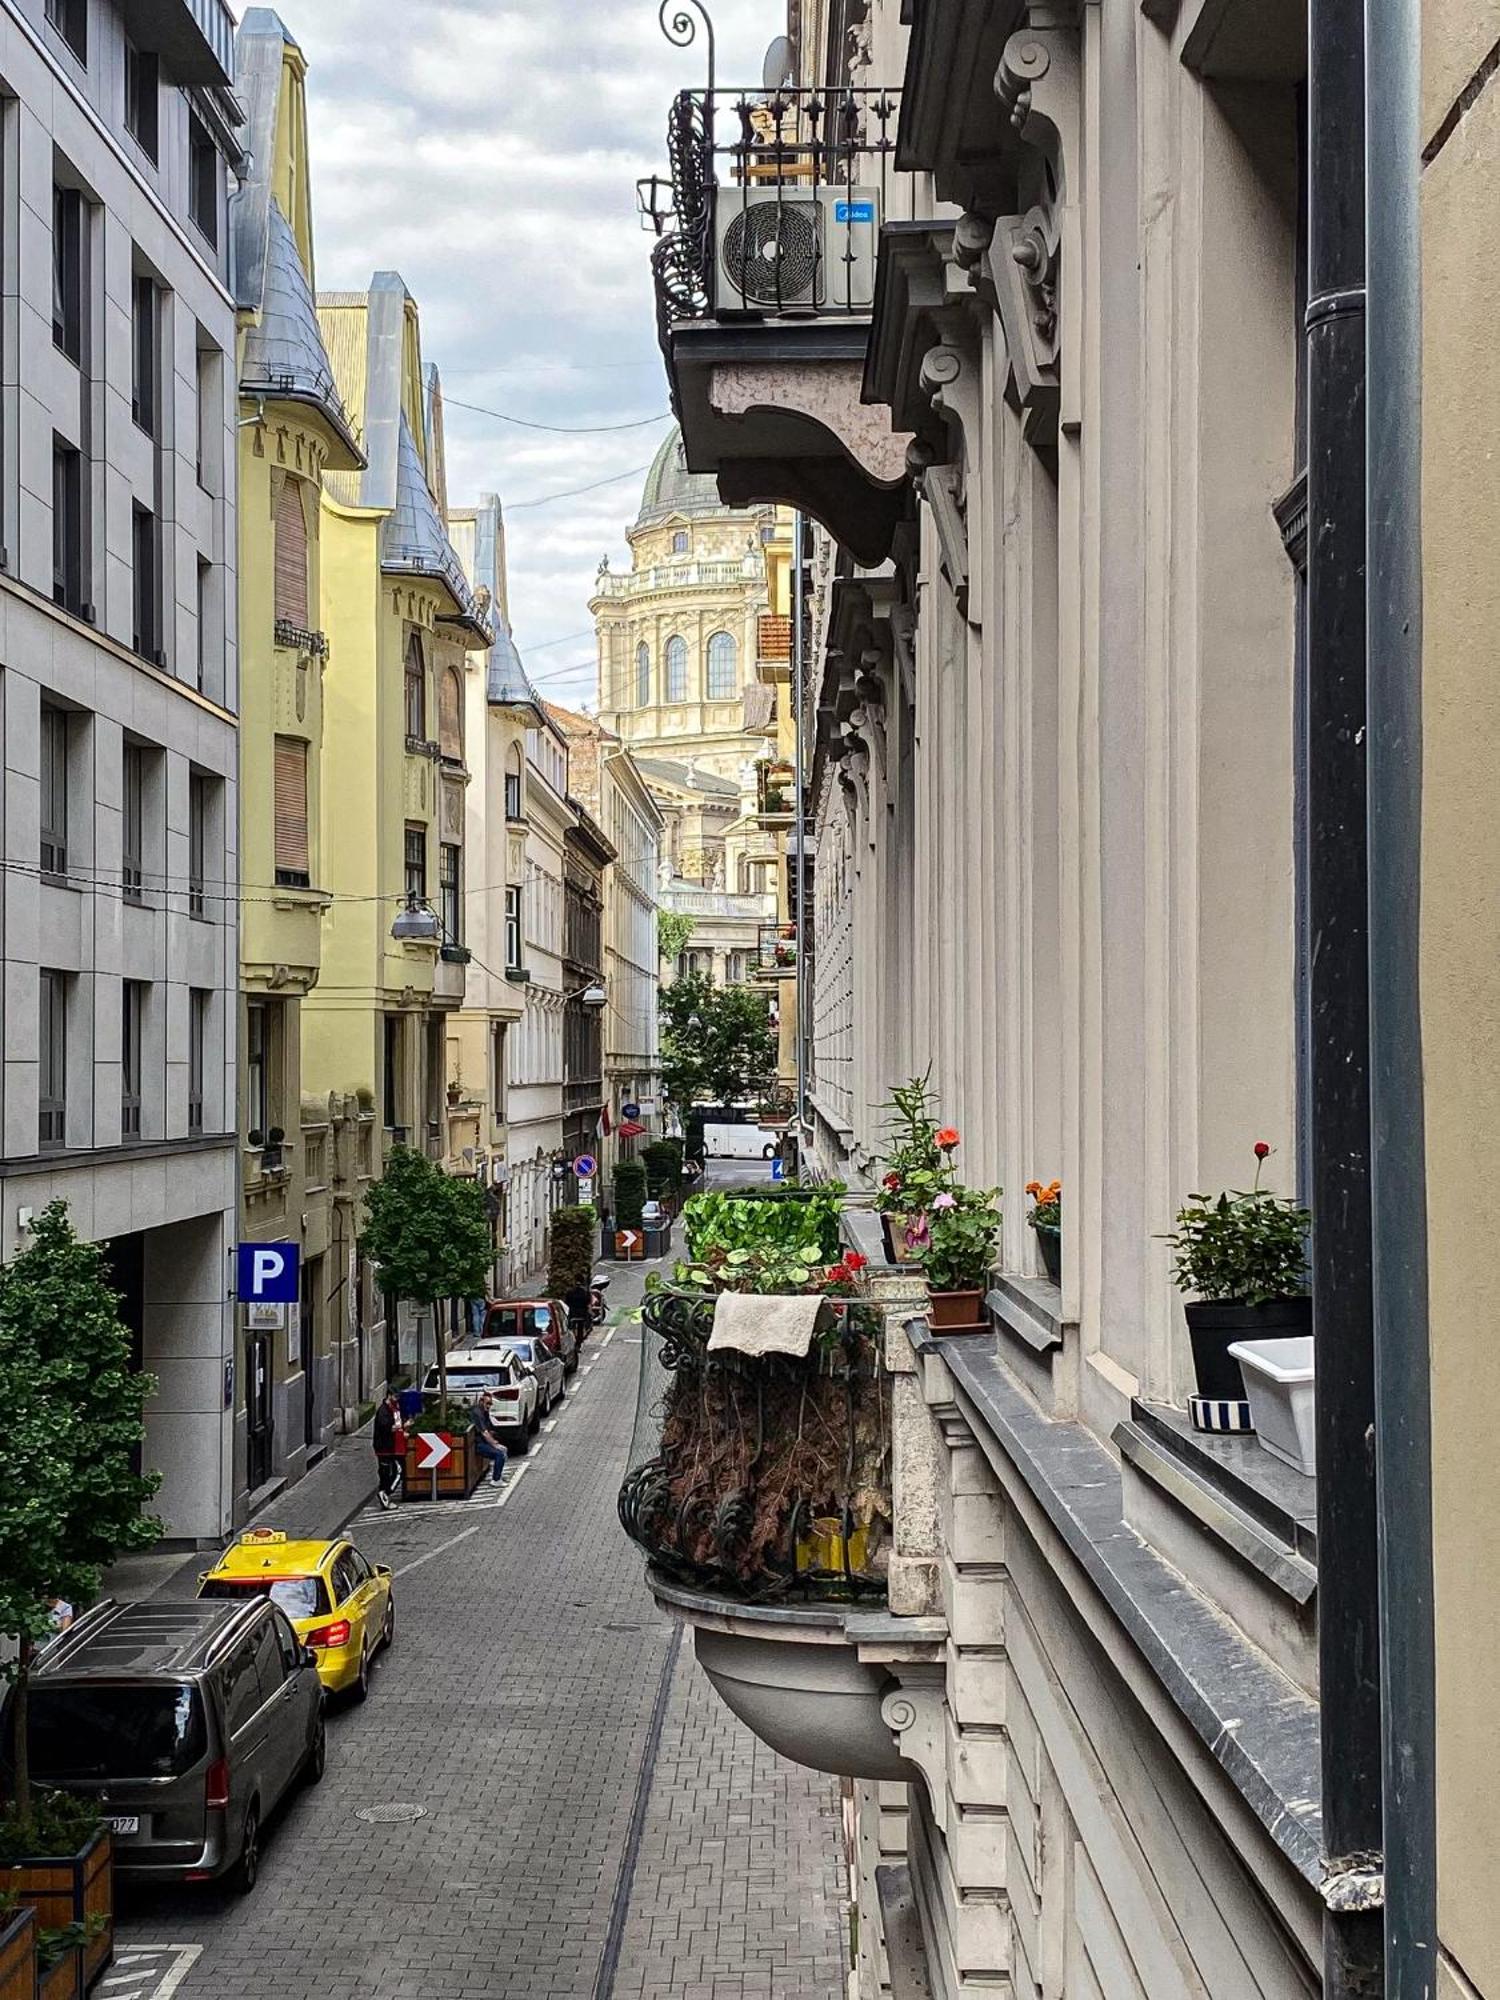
247 1868
536 1418
388 1630
521 1443
361 1688
317 1756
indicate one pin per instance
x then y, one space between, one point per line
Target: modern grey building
118 895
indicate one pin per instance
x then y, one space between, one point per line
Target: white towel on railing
751 1323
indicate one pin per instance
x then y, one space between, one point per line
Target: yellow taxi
339 1604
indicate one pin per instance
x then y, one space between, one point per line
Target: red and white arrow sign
629 1238
437 1451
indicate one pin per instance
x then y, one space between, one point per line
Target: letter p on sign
267 1274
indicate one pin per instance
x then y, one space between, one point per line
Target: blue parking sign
266 1274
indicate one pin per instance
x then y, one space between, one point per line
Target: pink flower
944 1201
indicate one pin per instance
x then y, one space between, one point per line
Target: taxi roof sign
252 1536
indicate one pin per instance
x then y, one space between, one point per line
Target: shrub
570 1250
630 1194
1245 1247
663 1163
963 1227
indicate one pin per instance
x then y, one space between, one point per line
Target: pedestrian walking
390 1449
487 1438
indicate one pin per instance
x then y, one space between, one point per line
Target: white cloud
489 153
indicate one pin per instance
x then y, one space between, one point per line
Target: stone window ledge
1256 1724
1276 1496
1028 1310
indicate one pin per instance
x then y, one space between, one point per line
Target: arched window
451 716
514 799
416 690
681 542
291 555
723 662
643 675
677 670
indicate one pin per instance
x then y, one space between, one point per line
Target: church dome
672 489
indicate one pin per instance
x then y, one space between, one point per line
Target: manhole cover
390 1815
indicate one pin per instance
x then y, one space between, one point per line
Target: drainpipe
1403 1429
799 836
1339 1028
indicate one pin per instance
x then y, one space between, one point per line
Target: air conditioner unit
791 250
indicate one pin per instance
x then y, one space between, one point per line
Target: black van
187 1724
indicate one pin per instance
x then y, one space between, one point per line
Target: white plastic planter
1279 1382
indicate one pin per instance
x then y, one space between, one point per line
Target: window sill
1028 1310
54 880
1280 1499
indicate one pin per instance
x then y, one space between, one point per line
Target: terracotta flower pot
1213 1329
958 1312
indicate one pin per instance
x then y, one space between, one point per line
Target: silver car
551 1376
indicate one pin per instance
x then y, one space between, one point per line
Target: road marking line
441 1549
550 1426
515 1479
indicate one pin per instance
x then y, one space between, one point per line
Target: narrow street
593 1822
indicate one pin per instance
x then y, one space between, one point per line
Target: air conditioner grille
773 250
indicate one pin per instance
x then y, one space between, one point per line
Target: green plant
722 1222
674 933
56 1823
963 1227
1243 1247
1046 1204
570 1261
630 1194
454 1418
72 1499
918 1165
717 1045
663 1163
429 1233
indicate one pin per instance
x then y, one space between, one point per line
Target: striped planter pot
1218 1413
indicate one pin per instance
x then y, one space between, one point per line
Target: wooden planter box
70 1889
18 1957
457 1476
64 1981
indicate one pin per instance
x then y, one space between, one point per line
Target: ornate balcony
775 794
765 284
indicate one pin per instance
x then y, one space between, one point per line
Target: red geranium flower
893 1182
854 1261
1262 1150
947 1138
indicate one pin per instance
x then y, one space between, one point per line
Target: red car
545 1320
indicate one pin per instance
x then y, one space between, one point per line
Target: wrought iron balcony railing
761 1477
777 198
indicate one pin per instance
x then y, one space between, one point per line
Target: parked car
187 1724
512 1383
531 1319
547 1367
340 1605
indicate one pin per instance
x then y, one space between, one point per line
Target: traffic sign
585 1192
630 1111
778 1168
627 1243
438 1451
268 1273
585 1166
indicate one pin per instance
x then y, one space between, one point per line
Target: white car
517 1407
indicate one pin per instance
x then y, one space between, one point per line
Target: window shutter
291 555
291 806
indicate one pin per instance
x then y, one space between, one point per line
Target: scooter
598 1305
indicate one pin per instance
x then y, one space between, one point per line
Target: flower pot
958 1312
1283 1397
1049 1242
1214 1327
18 1957
899 1250
68 1889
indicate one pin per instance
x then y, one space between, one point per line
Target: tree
570 1238
674 933
71 1501
429 1233
718 1045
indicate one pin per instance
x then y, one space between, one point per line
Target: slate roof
507 684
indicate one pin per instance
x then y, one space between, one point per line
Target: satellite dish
780 68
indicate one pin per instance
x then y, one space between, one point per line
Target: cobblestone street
595 1823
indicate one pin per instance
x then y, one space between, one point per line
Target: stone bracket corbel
913 1712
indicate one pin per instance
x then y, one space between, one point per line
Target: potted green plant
60 1961
918 1167
1046 1220
963 1227
57 1862
1242 1255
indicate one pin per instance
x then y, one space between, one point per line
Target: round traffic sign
585 1166
630 1111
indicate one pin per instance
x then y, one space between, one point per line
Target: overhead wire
556 430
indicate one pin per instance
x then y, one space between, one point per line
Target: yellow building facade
301 1372
402 619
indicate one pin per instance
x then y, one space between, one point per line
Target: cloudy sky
488 151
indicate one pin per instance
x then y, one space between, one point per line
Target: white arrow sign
629 1239
438 1451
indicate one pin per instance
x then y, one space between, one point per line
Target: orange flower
1034 1187
947 1138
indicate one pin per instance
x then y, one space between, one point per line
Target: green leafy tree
71 1501
717 1045
429 1233
674 933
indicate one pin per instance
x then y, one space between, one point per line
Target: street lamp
653 201
416 924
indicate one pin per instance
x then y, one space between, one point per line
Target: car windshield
500 1321
523 1350
146 1731
298 1596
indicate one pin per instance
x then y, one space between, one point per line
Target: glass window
289 1645
497 1068
145 311
133 812
416 864
205 610
146 547
132 1028
241 1687
677 663
257 1066
681 542
298 1596
450 898
293 867
71 20
345 1582
513 929
198 810
269 1667
723 664
53 1058
67 527
54 801
416 691
142 99
135 1730
203 180
67 271
451 716
643 675
515 798
198 1005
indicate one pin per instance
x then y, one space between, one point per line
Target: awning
631 1129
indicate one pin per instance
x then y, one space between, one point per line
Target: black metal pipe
1403 1425
1338 1001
